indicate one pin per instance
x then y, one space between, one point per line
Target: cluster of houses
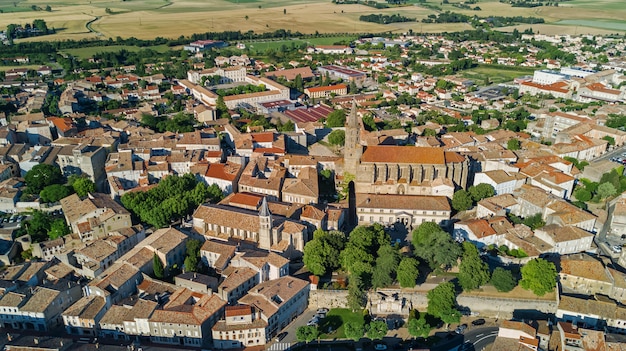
98 280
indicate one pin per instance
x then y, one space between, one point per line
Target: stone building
402 170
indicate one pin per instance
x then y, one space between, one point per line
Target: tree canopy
408 271
42 175
481 191
503 280
539 276
354 330
377 330
336 119
157 267
442 303
462 200
386 266
307 333
173 198
54 193
435 246
321 254
473 272
419 328
83 185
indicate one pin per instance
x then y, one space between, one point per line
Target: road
290 338
473 340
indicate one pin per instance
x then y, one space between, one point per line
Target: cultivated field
75 19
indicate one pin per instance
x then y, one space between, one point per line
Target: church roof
404 154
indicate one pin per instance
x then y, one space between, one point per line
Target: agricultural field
77 19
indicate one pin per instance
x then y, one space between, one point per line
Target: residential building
410 211
84 159
94 216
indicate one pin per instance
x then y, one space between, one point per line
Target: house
410 211
501 181
94 216
186 319
303 189
38 308
84 159
128 319
514 336
565 239
584 274
169 245
596 312
242 326
326 91
83 317
278 302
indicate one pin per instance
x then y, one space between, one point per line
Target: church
401 170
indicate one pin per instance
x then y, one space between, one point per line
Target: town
462 191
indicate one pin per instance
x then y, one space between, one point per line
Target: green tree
336 119
157 267
298 83
360 253
307 333
481 191
54 193
83 186
539 276
435 246
419 328
354 330
513 144
58 228
321 254
473 272
605 190
377 330
42 175
408 271
193 255
503 280
337 137
386 266
38 226
462 200
442 303
582 194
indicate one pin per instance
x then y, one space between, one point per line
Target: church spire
265 210
353 119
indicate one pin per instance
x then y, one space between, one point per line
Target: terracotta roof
404 154
432 203
241 310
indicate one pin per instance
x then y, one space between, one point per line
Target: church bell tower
353 150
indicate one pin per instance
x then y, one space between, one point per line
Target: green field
277 44
88 52
496 74
335 319
611 25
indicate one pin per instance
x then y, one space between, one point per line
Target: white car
617 248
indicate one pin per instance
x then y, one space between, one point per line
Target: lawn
88 52
496 74
335 319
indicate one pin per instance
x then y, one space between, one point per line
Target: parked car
479 321
322 310
313 321
280 336
380 347
617 248
461 328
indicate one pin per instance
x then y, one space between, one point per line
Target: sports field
172 18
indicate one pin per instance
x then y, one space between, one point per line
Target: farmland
172 18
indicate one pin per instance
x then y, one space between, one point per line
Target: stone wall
484 305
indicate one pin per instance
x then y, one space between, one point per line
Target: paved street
290 338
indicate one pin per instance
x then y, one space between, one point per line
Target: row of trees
385 19
172 199
178 123
611 183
